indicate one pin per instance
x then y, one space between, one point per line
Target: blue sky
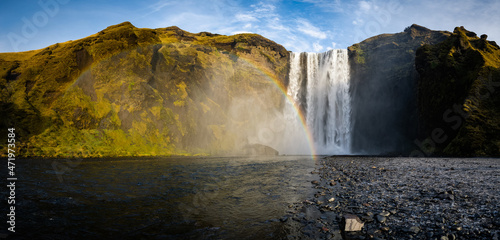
302 25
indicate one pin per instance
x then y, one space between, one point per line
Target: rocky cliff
383 88
127 91
458 96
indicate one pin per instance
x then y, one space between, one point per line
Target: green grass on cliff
462 74
127 91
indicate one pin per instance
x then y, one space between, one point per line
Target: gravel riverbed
402 198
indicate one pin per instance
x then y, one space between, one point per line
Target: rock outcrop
259 150
383 86
458 96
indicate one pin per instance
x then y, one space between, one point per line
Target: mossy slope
459 95
127 91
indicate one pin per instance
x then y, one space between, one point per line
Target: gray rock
445 196
414 229
381 219
385 214
367 218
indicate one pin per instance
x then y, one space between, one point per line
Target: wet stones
404 198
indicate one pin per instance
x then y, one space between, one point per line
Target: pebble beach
401 198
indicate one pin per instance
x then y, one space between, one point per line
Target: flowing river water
160 198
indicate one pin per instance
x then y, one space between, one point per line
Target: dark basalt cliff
383 83
458 96
127 91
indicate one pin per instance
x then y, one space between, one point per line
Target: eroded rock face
383 88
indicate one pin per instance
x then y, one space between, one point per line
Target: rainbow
269 76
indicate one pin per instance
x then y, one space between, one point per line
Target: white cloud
155 7
365 6
192 20
240 32
307 28
317 47
263 7
279 27
297 45
245 17
275 23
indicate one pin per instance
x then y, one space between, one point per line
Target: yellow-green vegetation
357 53
127 91
459 92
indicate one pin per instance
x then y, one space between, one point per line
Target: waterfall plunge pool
160 198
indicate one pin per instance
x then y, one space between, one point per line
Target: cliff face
383 83
458 96
127 91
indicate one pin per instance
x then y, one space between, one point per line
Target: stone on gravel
367 218
385 214
381 219
352 223
414 229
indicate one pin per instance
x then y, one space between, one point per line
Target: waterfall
319 86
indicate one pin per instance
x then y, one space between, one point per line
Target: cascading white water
319 86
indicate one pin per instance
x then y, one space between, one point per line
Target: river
160 198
